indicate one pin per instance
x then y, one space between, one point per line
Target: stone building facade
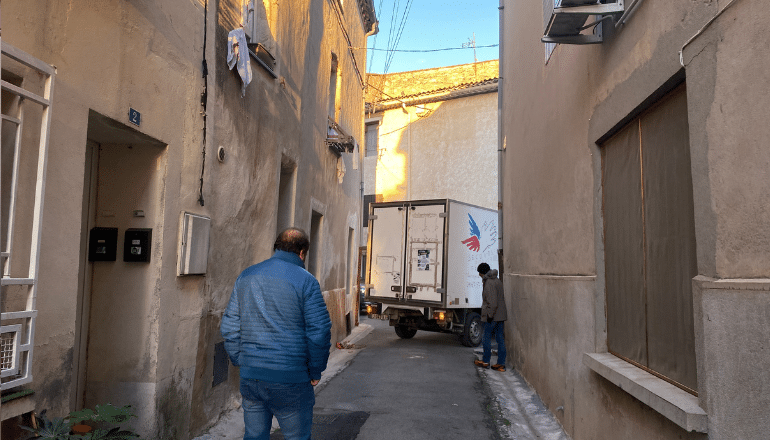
168 173
432 134
636 232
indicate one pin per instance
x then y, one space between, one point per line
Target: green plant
104 419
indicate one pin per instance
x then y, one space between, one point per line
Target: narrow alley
382 387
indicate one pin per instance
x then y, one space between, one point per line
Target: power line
399 33
424 50
374 42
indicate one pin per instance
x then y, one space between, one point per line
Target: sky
430 25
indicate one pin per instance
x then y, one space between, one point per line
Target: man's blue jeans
290 403
498 328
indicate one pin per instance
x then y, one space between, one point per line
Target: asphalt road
421 388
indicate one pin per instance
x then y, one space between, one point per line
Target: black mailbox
103 244
136 247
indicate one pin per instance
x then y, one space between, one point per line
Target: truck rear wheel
405 332
472 331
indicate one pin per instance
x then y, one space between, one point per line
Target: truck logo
473 241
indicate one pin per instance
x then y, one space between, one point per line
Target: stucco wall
155 71
114 55
436 145
440 150
730 159
553 115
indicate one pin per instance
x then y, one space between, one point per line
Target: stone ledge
673 403
758 284
16 407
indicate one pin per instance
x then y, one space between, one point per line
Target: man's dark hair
483 268
292 240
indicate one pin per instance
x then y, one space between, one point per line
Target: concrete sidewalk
518 411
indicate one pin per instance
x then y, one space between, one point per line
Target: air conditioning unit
565 21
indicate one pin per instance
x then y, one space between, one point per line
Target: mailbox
136 247
103 244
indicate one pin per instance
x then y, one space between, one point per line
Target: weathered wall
728 151
440 150
729 95
283 117
114 55
553 115
155 71
437 150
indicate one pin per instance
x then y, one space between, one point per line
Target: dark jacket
276 326
493 298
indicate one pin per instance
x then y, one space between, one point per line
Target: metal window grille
9 340
18 285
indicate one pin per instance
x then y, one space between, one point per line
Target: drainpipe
500 143
362 154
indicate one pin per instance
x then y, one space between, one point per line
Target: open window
27 92
259 19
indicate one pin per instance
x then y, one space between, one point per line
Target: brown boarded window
649 233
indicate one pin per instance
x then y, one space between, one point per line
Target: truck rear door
406 253
386 252
425 253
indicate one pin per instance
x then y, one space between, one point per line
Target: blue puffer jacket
276 326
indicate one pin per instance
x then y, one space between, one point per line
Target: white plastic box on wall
193 244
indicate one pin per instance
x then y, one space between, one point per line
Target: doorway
118 312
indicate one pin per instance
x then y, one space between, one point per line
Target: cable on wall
204 95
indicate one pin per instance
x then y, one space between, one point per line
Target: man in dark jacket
494 312
277 330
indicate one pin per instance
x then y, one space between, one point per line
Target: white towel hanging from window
238 54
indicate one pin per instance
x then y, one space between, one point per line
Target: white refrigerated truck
422 260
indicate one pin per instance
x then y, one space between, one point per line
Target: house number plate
134 117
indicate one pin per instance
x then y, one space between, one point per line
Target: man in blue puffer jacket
277 330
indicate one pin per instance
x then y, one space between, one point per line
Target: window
259 20
9 341
286 193
372 138
334 78
21 203
649 232
316 240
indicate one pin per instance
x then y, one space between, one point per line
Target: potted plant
101 423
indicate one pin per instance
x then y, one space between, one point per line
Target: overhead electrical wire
391 28
400 32
425 50
374 40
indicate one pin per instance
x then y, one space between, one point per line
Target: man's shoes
480 363
498 367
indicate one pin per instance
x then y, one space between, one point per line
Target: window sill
673 403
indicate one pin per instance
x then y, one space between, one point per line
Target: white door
425 250
386 260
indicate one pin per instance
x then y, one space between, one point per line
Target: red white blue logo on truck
473 241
